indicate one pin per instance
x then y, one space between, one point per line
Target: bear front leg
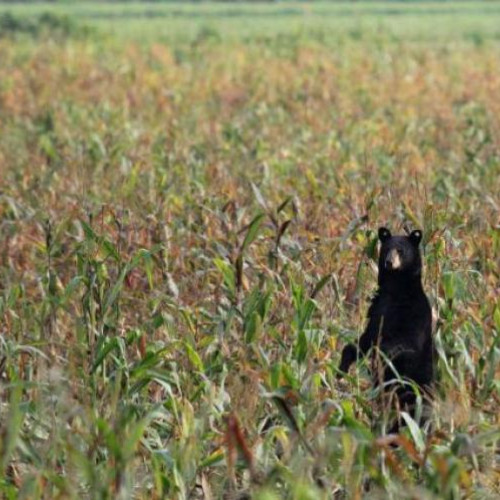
349 355
351 351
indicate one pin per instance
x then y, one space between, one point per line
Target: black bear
399 320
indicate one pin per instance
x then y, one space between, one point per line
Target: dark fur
399 319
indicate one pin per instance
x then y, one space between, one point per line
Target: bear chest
398 318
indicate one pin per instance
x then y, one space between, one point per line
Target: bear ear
416 237
384 234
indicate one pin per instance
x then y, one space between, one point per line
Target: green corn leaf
252 232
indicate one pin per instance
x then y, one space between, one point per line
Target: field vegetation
189 211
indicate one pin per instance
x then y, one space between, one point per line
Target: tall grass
187 240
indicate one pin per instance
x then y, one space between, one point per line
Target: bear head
399 255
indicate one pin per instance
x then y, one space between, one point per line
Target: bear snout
393 260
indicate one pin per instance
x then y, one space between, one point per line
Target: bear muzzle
393 260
